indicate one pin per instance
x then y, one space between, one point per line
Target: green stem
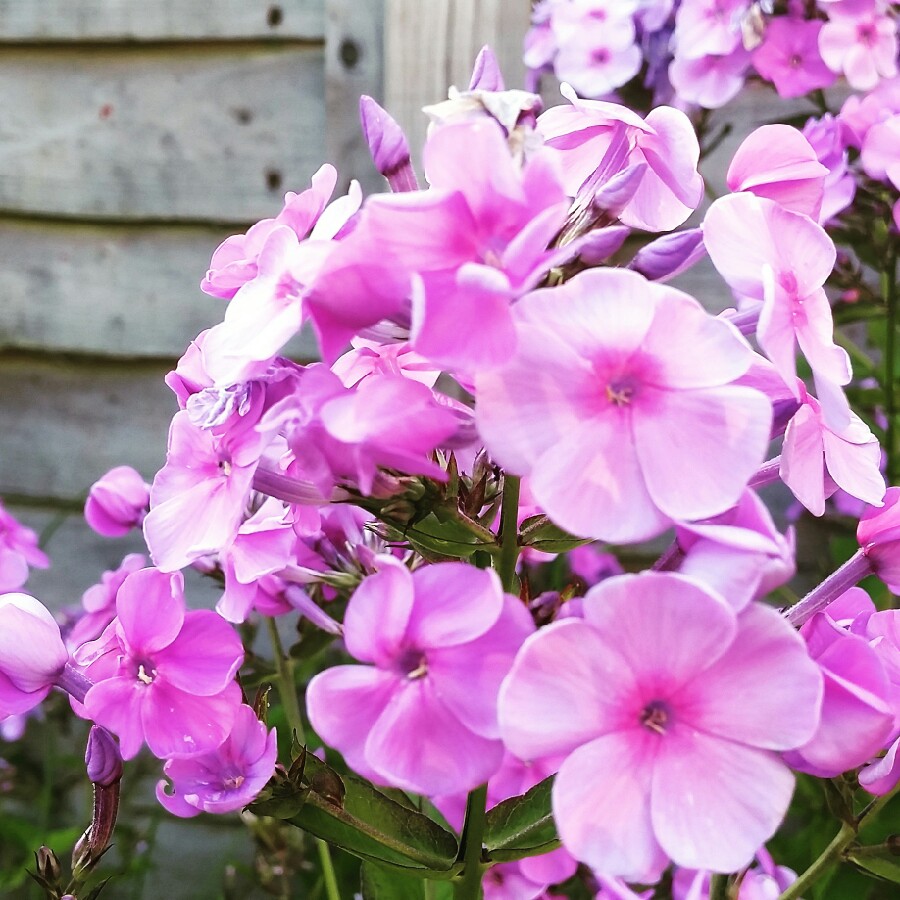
331 885
509 533
718 887
832 853
287 689
469 887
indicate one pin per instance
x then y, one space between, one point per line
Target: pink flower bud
486 75
32 653
117 502
669 255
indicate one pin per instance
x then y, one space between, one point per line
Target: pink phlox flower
857 714
32 653
878 534
667 706
18 550
540 41
860 113
762 881
482 228
263 545
99 601
709 81
225 779
163 675
372 358
789 57
818 458
610 366
234 262
339 434
861 44
421 712
882 629
880 156
592 564
740 554
825 135
709 27
778 162
590 131
117 502
768 253
596 45
198 498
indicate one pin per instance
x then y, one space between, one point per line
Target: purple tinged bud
102 757
669 255
613 196
598 245
486 75
388 145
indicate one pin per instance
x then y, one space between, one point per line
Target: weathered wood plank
150 20
214 134
430 46
65 425
353 66
119 292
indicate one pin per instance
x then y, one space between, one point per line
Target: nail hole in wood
273 179
275 16
349 52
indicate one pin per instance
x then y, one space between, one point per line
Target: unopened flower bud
388 145
117 502
486 75
669 255
102 757
613 196
48 866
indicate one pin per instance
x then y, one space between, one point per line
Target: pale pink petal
723 433
743 793
803 460
605 822
765 691
546 708
639 613
116 703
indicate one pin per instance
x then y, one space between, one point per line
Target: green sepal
882 860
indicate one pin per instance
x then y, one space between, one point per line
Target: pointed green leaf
371 825
522 826
379 883
882 861
539 532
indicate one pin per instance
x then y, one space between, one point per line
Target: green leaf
882 861
522 826
539 532
372 826
379 883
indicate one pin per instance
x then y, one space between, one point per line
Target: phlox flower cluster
503 379
701 52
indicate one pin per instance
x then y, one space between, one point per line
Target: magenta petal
455 603
601 803
343 704
722 432
881 775
174 803
14 702
565 688
743 793
764 691
204 657
467 677
150 607
417 744
378 614
180 724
